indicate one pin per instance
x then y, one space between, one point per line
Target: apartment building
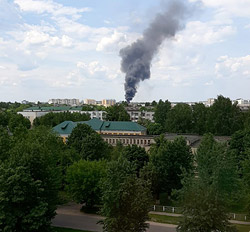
69 102
135 114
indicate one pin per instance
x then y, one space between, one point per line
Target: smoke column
137 57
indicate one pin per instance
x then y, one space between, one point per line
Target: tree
246 119
179 119
170 160
5 144
155 129
17 120
216 165
88 143
154 103
53 119
204 211
83 180
199 118
29 182
137 155
117 113
240 144
246 180
224 118
206 197
126 199
161 111
4 119
152 127
23 209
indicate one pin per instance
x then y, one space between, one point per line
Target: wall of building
31 115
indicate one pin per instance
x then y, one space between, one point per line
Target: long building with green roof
65 128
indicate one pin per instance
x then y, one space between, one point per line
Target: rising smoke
137 57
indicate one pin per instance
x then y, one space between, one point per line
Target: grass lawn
176 220
243 228
164 219
59 229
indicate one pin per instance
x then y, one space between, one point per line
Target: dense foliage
126 198
84 178
12 121
137 155
30 178
170 159
222 118
161 111
206 197
53 119
88 143
117 113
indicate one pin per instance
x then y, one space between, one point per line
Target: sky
70 49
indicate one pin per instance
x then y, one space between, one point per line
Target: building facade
69 102
135 114
108 102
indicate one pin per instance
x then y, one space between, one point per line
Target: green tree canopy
224 118
179 119
207 195
126 198
153 128
83 180
216 165
5 144
199 118
240 144
137 155
29 182
53 119
17 120
204 211
170 159
117 113
88 143
161 111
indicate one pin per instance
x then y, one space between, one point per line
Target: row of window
117 133
144 142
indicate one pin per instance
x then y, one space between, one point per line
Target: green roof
121 126
66 127
52 108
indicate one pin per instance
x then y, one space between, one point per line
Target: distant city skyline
70 49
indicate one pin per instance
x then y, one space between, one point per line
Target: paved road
71 217
88 222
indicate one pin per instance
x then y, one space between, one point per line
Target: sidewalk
179 215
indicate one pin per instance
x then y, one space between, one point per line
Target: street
71 217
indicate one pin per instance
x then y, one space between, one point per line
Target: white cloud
116 41
49 6
35 37
198 33
233 66
92 68
240 8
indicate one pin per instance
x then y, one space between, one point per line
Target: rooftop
53 108
66 127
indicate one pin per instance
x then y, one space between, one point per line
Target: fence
167 209
178 210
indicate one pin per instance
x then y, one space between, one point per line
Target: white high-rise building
69 102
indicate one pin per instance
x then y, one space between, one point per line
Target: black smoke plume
137 57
